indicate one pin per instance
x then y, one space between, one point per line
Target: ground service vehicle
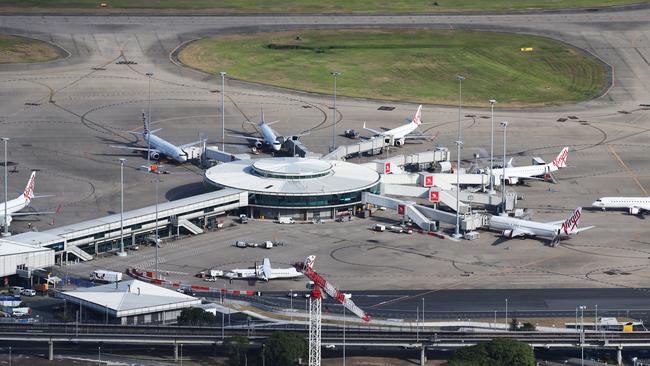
16 290
379 227
28 292
286 220
105 276
243 219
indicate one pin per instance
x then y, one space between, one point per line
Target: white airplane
159 146
400 134
17 204
518 174
635 205
270 139
262 272
556 230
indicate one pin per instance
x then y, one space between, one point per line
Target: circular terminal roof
292 176
292 168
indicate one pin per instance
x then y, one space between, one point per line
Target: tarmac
63 116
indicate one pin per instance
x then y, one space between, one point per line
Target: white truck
101 275
286 220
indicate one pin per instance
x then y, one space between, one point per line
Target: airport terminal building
302 188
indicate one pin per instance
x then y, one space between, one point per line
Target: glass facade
259 199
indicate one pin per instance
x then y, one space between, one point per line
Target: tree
528 327
496 352
514 324
195 316
285 348
236 348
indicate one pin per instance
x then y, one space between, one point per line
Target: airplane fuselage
512 174
511 224
270 137
634 204
165 147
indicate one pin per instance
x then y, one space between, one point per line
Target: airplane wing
135 148
518 231
376 132
250 138
183 147
266 269
415 136
584 228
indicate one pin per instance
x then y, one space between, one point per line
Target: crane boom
307 269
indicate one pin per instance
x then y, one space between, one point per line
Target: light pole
492 103
582 335
122 253
458 143
99 355
334 74
344 335
5 230
504 124
181 358
291 304
156 181
223 111
460 79
423 314
149 75
507 315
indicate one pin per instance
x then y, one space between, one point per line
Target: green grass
414 65
18 49
317 6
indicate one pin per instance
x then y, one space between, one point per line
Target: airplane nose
597 204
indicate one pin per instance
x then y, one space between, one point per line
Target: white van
286 220
28 292
16 290
379 227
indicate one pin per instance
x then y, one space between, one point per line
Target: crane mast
315 304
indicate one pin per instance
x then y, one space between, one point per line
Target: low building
131 302
16 256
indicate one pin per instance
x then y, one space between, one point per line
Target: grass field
407 65
316 6
18 49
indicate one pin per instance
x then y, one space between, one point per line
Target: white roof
292 176
10 247
131 298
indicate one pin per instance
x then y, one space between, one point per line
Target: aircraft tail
309 261
28 193
560 160
417 118
571 224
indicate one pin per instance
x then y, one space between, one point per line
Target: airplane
21 202
515 175
159 146
400 134
635 205
262 272
270 139
556 230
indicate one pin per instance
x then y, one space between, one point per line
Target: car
292 294
330 346
28 292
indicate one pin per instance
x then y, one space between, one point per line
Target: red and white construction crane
307 268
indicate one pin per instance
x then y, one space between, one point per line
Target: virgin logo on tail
560 160
309 261
29 188
417 119
572 222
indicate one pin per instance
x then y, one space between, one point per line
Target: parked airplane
262 272
635 205
519 174
159 146
270 139
556 230
400 134
17 204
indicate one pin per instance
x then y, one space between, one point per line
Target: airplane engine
258 144
399 142
512 181
154 155
507 233
634 210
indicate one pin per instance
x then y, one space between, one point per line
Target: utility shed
131 302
